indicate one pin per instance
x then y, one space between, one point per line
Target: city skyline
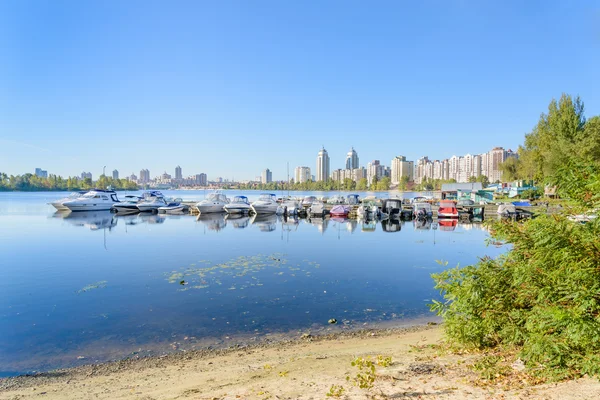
457 167
80 93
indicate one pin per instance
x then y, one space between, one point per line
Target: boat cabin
392 206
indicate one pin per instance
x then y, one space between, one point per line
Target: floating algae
92 286
243 269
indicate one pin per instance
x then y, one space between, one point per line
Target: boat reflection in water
136 219
368 225
351 225
214 222
448 225
265 222
391 225
423 223
238 221
320 223
94 220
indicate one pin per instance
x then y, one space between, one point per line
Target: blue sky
232 87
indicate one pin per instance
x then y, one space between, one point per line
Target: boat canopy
240 199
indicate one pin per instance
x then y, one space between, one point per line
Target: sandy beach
303 368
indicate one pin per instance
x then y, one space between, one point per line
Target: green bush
543 295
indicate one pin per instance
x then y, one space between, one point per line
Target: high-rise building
144 176
85 175
401 167
352 159
266 176
132 177
322 165
178 174
496 156
115 174
41 173
301 174
202 181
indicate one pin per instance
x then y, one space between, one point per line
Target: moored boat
94 200
447 209
339 210
58 204
239 205
128 205
266 204
422 210
152 201
173 207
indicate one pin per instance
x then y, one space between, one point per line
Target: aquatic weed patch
92 286
241 272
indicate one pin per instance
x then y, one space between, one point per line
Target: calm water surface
92 286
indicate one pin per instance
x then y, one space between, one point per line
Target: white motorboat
152 201
368 209
317 208
239 205
215 203
422 210
266 204
173 207
290 207
336 200
94 200
128 205
308 200
58 204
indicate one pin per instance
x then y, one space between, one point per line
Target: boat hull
130 209
59 206
265 208
210 208
236 209
89 207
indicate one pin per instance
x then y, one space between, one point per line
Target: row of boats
104 200
267 203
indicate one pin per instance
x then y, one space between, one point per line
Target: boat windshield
426 206
216 197
447 204
240 199
266 197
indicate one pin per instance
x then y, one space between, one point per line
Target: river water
93 286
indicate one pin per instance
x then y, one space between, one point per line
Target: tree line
347 185
30 183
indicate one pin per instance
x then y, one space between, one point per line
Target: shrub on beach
543 295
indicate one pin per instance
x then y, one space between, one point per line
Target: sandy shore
304 368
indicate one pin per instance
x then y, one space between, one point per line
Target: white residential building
322 165
401 167
302 174
352 159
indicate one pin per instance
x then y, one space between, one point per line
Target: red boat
447 209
